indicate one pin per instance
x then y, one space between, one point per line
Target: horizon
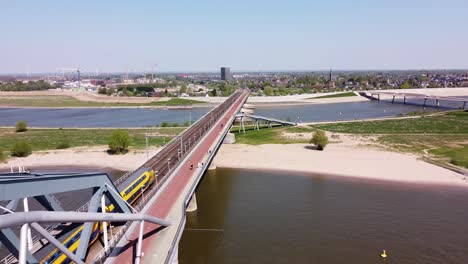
199 37
234 71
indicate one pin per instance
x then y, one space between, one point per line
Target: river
143 117
248 216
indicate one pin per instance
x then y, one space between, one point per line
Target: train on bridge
130 191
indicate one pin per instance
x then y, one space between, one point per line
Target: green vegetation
450 123
275 135
348 94
21 126
63 145
119 142
48 139
443 136
456 155
21 149
319 139
68 101
2 156
29 86
416 113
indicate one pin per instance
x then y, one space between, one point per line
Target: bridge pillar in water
437 103
212 166
425 99
393 100
404 100
192 206
464 104
378 97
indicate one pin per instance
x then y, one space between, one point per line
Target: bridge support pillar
464 104
437 103
192 206
393 100
212 166
378 97
404 100
425 99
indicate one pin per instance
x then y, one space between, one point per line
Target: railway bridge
150 215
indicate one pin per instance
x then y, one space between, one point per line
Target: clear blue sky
260 35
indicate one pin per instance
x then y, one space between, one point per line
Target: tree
405 85
102 90
319 139
183 89
119 142
21 126
21 149
268 90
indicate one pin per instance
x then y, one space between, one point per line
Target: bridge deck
164 204
422 96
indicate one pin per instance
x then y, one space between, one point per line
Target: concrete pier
192 207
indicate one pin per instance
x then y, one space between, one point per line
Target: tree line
28 86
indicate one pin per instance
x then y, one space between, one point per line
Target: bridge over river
149 217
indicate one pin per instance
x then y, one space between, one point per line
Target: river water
142 117
345 111
247 216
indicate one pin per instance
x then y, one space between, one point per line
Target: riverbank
68 99
349 158
96 156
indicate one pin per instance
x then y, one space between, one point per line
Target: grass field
450 123
444 137
270 135
48 139
68 101
348 94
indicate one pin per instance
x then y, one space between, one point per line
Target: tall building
225 73
331 82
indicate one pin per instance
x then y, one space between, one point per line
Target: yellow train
130 194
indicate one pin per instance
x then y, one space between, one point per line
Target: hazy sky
202 35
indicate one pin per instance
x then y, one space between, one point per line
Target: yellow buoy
384 254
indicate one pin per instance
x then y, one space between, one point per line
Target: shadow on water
247 216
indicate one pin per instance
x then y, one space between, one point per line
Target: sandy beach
82 156
348 156
347 159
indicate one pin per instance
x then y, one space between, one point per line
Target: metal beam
56 243
19 187
12 205
119 204
16 219
88 226
12 243
49 202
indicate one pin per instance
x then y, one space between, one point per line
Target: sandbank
81 156
343 159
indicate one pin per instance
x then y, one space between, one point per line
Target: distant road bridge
376 95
